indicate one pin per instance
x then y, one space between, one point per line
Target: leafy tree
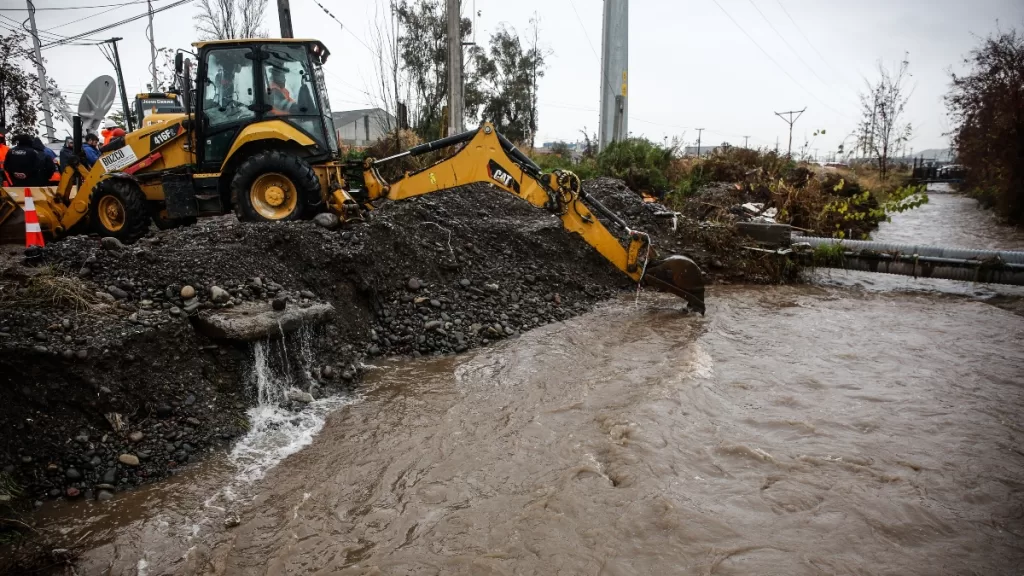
229 19
117 117
20 94
423 50
882 130
505 76
987 108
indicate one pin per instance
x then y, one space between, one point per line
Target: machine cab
155 103
244 82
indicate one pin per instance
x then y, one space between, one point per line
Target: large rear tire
274 186
119 209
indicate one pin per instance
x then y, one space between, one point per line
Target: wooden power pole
284 16
791 120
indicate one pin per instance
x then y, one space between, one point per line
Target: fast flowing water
794 430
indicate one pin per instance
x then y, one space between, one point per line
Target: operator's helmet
116 133
108 124
277 75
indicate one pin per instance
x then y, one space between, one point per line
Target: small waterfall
276 432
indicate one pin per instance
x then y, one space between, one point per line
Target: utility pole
284 16
776 144
120 81
791 120
746 139
699 131
613 124
815 154
43 83
455 100
152 47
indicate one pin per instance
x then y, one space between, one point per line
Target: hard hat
116 132
108 124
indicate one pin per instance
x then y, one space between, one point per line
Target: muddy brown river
793 430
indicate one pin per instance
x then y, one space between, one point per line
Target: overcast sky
692 64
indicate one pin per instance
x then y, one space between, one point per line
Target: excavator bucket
680 276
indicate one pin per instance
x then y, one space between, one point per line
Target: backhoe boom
489 157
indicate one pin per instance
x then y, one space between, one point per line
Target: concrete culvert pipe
986 266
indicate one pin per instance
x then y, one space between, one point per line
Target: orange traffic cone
33 233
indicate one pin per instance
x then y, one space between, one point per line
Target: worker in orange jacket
3 156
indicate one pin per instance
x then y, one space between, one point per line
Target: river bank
278 427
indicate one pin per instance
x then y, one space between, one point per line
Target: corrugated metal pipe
986 266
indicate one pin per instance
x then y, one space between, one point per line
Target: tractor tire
119 209
159 218
274 186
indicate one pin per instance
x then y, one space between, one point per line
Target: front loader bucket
680 276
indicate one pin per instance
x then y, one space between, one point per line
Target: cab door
228 101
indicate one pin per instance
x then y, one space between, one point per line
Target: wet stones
219 295
327 220
111 243
299 396
414 284
128 460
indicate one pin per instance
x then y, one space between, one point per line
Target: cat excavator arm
487 156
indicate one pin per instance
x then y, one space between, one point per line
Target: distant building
362 127
704 150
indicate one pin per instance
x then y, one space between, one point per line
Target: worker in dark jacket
49 167
91 149
66 154
25 165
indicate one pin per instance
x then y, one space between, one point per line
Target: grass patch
48 287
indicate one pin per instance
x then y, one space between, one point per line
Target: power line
116 24
584 28
809 43
19 27
115 7
61 8
343 27
786 42
769 56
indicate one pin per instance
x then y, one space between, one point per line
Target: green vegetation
829 255
824 201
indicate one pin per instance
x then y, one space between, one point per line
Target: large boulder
257 320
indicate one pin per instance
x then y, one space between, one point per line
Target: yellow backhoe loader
257 137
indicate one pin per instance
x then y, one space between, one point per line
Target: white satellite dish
96 101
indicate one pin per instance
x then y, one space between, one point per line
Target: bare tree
882 130
388 74
230 19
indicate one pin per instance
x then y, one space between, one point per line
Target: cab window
289 84
228 93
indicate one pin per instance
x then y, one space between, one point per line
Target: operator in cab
281 101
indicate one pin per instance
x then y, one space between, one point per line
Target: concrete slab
256 320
